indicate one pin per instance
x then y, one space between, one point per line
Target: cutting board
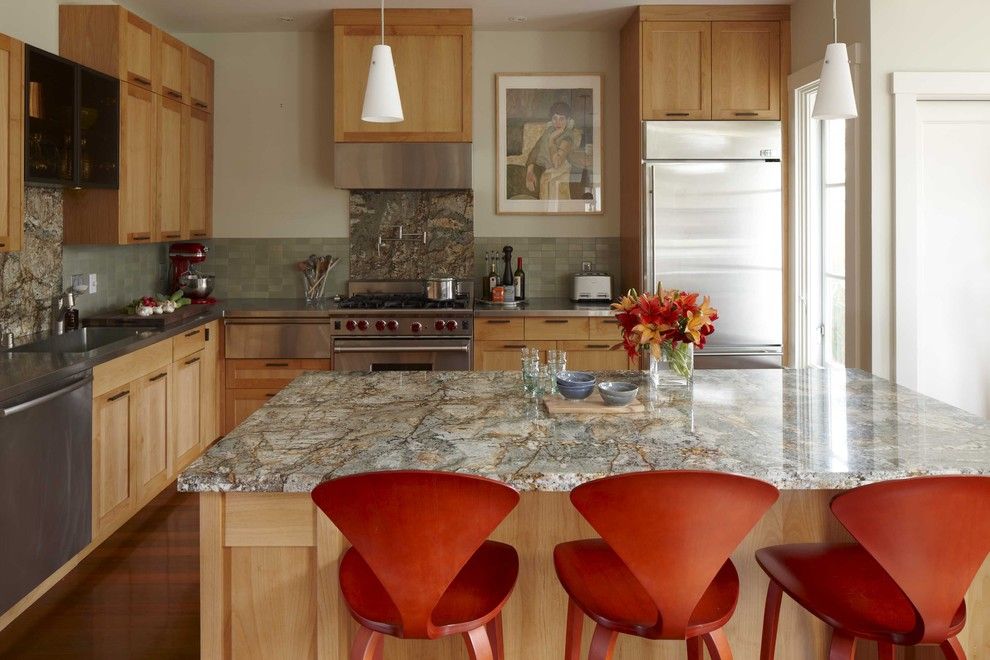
159 321
593 405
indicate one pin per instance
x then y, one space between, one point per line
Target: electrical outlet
92 282
79 284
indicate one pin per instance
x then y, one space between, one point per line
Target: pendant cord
835 24
383 20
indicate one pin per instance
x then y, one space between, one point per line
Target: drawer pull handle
746 114
157 378
557 321
514 346
2 244
141 80
498 321
677 114
119 396
140 237
191 333
199 234
276 364
192 361
200 104
598 346
270 394
174 95
171 234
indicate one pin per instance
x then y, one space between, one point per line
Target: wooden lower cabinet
150 430
111 458
587 340
506 355
210 420
187 408
250 383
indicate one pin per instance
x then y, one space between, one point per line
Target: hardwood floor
135 596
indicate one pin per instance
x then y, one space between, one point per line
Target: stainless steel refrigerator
713 225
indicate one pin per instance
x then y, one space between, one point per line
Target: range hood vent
402 166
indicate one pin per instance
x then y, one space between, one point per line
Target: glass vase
675 365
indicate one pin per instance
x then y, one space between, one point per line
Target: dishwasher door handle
402 349
44 398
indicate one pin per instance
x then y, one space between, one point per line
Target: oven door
413 354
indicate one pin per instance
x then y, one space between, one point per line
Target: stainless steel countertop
545 307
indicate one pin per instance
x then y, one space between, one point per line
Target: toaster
591 286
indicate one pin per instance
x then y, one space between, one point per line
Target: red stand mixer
183 274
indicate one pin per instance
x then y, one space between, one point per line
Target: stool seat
475 596
844 586
601 584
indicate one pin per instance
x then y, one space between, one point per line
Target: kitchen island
268 558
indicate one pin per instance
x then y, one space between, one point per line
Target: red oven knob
451 325
362 325
415 327
380 326
393 325
438 325
350 325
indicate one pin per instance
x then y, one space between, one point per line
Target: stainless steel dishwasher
46 459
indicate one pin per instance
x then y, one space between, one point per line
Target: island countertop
798 429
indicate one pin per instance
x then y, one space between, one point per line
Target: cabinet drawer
114 374
498 328
542 327
594 356
506 355
271 374
604 328
188 342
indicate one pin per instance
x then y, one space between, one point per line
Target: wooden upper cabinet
11 144
431 49
676 70
111 39
200 177
200 80
138 166
172 206
746 70
174 58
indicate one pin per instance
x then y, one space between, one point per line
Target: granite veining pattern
798 429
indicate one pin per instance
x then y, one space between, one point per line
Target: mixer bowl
194 285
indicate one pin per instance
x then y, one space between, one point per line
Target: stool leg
695 648
885 651
843 646
952 649
367 645
478 645
494 628
718 645
575 625
771 617
602 643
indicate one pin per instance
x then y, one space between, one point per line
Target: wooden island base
269 585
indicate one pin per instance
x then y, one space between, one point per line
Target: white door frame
908 89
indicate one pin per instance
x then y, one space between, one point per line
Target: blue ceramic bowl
576 391
572 378
616 393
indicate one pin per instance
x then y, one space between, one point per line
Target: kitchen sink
79 341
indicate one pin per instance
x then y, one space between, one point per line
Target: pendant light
381 97
835 99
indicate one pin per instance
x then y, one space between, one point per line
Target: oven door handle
402 349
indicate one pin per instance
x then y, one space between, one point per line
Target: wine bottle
519 280
493 278
507 281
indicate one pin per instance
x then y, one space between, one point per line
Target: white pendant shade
381 97
835 99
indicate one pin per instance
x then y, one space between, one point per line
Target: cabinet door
187 376
677 70
111 458
593 356
173 61
506 355
11 143
140 59
433 69
200 80
138 154
200 185
239 404
150 428
209 422
746 70
172 203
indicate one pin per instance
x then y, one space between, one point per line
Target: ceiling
182 16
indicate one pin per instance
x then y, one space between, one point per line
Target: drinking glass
531 376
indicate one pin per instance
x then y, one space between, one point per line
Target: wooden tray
158 321
593 405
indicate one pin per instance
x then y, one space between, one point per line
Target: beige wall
909 35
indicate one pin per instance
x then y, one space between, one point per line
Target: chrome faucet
8 339
65 302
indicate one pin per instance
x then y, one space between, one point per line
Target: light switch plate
92 282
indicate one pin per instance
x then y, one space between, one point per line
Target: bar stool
920 543
420 566
661 569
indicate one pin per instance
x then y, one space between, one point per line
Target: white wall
909 35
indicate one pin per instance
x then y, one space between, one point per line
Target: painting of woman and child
549 145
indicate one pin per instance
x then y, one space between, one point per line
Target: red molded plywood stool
661 569
420 567
920 544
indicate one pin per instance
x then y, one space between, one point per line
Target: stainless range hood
402 165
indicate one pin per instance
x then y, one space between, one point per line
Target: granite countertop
798 429
545 307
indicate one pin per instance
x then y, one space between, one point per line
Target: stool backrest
415 530
674 530
931 535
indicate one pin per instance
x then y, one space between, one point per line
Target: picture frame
549 144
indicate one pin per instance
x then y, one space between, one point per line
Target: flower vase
674 365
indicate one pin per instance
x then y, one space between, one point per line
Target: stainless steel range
393 326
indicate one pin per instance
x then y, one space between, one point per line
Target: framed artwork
548 144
